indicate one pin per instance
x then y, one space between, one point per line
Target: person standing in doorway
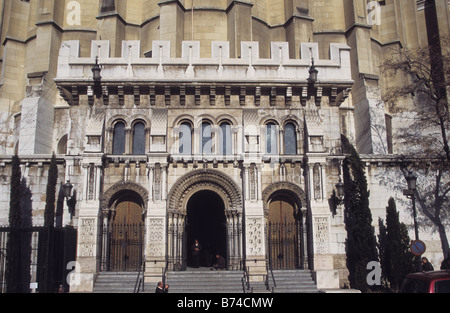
196 250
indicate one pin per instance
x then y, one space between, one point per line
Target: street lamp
313 72
70 199
411 180
340 190
67 188
96 71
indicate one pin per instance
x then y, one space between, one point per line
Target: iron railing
125 252
140 279
44 255
284 245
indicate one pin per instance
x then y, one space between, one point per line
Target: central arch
206 222
223 190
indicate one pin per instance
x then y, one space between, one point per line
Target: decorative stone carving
91 184
255 236
317 179
204 179
87 238
321 235
156 237
121 186
269 191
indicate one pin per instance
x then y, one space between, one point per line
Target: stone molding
123 186
209 179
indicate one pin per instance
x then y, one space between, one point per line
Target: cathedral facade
217 121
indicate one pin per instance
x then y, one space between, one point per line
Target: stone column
90 225
320 221
160 236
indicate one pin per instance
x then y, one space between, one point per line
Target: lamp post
340 190
96 72
313 72
70 199
411 180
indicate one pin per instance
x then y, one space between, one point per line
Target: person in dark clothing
196 250
220 263
160 288
426 265
445 265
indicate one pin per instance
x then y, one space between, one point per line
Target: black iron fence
126 242
284 245
43 258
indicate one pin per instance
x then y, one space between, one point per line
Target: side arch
114 191
297 193
287 234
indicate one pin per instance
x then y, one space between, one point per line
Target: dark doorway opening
206 223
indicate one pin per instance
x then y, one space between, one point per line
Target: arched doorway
206 222
286 212
123 227
126 236
190 203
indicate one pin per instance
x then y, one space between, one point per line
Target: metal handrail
269 269
140 280
164 275
245 280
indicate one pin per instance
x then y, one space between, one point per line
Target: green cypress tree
399 259
361 241
49 213
13 256
382 237
46 269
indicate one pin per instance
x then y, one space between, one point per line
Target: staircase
293 281
115 282
205 281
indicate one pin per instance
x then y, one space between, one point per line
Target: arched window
206 138
62 145
185 138
271 138
139 138
119 138
225 144
290 139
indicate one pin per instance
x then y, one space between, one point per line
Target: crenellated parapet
133 74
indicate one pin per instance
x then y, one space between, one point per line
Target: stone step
115 282
205 281
293 281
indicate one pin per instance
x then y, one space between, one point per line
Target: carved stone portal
178 198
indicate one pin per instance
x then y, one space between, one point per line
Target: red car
427 282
